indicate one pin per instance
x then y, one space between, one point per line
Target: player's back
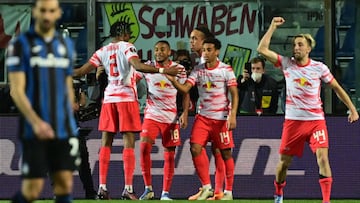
115 58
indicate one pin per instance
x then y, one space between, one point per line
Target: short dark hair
182 52
213 41
257 60
205 30
163 41
119 28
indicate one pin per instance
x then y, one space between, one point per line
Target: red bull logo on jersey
162 84
302 82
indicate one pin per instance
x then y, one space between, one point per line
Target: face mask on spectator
256 76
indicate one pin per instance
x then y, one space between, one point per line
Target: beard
298 57
160 59
45 26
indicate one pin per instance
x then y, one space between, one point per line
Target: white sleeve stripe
13 61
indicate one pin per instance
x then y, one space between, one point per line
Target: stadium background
238 24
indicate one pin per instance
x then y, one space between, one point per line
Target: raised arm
340 92
263 47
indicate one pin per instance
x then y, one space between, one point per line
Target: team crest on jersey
208 85
36 49
162 84
61 50
303 82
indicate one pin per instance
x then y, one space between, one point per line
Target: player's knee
226 154
63 183
322 157
32 195
195 150
146 139
323 161
64 188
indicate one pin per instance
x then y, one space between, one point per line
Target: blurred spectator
182 57
6 103
257 91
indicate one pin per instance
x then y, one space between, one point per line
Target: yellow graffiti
123 12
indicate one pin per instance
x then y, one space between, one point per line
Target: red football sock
104 159
201 163
145 161
169 167
129 165
219 173
325 185
229 181
279 188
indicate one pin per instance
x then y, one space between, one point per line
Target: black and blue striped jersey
46 64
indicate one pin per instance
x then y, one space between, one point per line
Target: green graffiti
236 56
123 12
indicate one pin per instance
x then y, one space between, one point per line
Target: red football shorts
206 129
170 132
296 133
120 117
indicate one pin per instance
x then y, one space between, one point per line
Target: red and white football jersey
115 58
161 95
303 86
213 86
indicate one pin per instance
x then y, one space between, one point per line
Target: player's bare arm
99 71
263 47
184 115
173 70
183 88
231 122
70 89
344 97
17 91
84 69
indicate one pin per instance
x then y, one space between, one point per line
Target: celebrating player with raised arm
304 116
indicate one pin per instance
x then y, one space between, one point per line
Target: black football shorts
40 158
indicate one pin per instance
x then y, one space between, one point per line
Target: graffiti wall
13 20
234 23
